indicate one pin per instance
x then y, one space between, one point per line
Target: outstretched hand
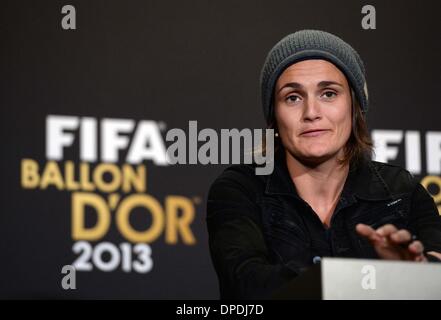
393 244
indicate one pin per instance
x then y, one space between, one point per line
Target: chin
317 153
316 157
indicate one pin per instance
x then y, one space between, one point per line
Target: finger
386 230
416 247
367 232
401 236
364 230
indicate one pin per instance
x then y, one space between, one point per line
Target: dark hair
359 145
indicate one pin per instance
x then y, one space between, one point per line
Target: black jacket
262 234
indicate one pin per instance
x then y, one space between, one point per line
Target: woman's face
313 95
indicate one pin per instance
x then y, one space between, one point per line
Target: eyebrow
296 85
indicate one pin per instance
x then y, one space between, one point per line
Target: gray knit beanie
312 44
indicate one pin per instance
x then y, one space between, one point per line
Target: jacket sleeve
426 220
236 241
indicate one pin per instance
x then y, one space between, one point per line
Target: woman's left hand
393 244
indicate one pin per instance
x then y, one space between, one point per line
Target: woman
325 197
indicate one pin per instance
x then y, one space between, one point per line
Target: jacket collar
363 181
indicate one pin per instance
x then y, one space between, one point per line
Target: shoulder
239 179
397 178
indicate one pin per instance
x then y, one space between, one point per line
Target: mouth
314 133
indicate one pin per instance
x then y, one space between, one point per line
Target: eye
292 98
329 94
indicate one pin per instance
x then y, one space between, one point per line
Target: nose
311 110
